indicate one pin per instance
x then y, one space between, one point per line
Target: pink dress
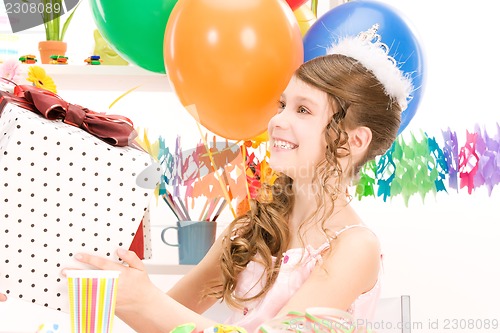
290 278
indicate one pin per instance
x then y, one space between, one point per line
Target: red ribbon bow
113 129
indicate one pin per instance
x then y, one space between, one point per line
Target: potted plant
54 31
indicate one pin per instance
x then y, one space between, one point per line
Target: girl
301 244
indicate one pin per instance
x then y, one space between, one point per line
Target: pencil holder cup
194 239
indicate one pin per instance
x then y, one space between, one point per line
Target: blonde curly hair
356 98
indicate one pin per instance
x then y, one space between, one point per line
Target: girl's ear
359 140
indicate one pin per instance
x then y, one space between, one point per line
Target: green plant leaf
66 24
314 7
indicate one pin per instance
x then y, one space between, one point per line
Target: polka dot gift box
62 191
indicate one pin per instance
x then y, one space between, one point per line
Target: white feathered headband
368 49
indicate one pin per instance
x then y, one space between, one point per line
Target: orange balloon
305 17
228 61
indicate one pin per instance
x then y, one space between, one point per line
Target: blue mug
194 239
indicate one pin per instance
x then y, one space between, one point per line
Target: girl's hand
3 297
139 303
134 285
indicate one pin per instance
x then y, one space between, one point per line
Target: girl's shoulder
358 235
356 252
355 231
355 242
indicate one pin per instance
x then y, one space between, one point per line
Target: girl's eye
281 106
303 110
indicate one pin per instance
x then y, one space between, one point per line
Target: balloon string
122 95
219 177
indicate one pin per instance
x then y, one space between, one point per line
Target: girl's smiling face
297 131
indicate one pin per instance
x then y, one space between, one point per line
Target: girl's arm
146 308
189 289
140 304
349 270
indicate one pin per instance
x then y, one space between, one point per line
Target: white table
17 316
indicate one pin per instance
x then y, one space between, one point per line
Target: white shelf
105 77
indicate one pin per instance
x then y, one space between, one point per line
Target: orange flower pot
51 47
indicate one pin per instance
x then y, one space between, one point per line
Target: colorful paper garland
421 166
415 165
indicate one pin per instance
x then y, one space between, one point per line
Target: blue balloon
353 17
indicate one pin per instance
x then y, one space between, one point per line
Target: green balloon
135 29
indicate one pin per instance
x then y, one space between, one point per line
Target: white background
442 251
